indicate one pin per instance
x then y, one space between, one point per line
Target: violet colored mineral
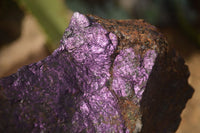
84 86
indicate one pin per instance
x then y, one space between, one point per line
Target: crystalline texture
67 91
132 71
94 82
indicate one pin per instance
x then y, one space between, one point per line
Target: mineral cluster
106 76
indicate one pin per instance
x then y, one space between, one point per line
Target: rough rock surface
106 76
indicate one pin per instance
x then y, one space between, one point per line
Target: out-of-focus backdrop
31 29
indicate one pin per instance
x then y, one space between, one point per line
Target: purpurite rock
106 76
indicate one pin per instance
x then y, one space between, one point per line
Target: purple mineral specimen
91 83
66 91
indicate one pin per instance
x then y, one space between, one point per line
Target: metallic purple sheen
68 91
132 71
